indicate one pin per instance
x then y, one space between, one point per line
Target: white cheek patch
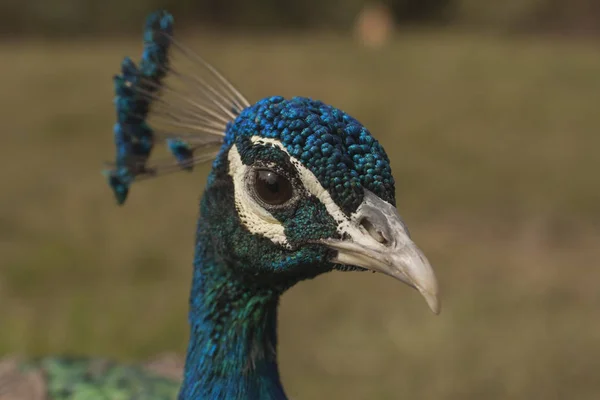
346 225
254 217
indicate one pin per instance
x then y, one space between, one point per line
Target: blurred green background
488 110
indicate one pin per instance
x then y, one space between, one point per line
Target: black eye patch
267 152
271 177
267 156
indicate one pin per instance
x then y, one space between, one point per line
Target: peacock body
297 188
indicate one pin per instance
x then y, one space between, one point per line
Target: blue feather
134 88
182 151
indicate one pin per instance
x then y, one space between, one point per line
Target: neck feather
232 352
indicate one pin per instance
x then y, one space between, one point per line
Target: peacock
297 188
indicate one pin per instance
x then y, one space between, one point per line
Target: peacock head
297 188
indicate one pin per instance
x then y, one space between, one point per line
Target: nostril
373 231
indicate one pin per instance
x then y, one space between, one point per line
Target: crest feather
156 104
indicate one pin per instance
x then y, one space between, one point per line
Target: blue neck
233 337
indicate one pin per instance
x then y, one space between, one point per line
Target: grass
493 144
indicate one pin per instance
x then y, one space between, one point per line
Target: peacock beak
378 240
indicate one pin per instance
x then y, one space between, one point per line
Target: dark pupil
272 188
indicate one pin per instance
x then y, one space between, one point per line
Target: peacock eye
272 188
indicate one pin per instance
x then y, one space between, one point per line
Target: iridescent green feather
96 379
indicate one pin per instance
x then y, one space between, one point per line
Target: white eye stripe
314 187
254 217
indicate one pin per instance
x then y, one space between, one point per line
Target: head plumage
297 188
